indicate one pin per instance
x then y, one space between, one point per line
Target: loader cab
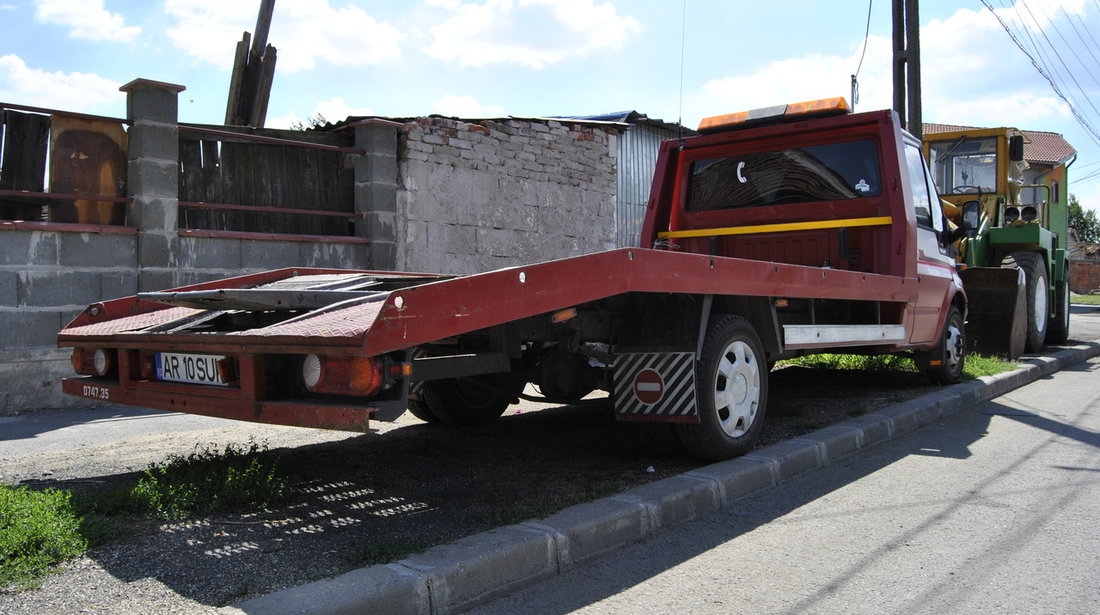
986 166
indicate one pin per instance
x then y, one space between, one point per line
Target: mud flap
996 322
655 386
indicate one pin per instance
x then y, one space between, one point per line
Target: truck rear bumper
215 403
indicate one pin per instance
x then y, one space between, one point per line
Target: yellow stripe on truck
777 228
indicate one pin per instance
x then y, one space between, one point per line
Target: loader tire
731 379
1058 329
1037 292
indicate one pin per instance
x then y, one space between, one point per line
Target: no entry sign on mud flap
649 387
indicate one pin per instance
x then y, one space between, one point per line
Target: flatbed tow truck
791 230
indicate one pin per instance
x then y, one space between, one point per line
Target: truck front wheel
732 383
944 363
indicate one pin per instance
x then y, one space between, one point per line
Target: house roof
1039 146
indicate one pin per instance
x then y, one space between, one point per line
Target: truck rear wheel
1058 329
1037 291
472 400
945 362
732 382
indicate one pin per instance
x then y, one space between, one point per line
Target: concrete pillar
152 109
375 190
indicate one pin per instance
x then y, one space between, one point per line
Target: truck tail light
93 362
343 375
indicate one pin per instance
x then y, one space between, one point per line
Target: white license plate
192 368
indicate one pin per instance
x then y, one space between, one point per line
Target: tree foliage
1084 220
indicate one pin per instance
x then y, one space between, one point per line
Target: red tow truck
791 230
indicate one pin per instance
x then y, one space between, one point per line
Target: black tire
944 363
1058 329
731 380
1037 292
419 408
474 400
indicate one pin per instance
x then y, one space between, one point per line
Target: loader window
965 165
830 172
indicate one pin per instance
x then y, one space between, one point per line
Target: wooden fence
71 168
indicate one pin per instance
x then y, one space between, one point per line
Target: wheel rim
953 346
737 389
1040 302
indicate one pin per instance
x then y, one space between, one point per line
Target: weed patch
38 529
208 480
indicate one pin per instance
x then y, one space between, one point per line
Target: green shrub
38 529
209 480
976 365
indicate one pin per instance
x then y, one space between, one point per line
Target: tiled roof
1039 146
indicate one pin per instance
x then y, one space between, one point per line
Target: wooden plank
87 157
240 59
25 138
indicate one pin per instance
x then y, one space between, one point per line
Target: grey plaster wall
478 196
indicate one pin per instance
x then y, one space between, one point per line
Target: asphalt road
994 510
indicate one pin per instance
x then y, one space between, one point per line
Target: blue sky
674 59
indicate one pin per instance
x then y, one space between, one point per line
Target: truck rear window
831 172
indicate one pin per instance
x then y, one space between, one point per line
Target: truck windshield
965 165
831 172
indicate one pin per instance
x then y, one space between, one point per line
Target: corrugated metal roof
634 117
1039 146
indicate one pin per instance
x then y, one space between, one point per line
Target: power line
1044 70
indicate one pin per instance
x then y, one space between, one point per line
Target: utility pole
906 19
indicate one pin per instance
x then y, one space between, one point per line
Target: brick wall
1084 276
478 196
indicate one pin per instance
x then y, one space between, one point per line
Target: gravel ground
408 485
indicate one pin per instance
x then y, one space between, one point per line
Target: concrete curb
478 568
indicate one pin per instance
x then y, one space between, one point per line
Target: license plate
191 368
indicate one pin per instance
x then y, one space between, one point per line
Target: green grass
38 529
1085 299
209 481
976 365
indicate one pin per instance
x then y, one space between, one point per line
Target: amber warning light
778 113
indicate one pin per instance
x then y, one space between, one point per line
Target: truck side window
831 172
922 201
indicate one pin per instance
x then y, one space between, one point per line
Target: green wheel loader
1012 218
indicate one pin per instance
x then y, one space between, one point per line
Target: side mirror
972 218
1016 148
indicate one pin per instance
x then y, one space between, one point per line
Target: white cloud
304 32
87 18
81 92
532 33
466 107
971 74
334 110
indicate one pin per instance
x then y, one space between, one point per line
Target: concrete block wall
46 278
478 196
1084 276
